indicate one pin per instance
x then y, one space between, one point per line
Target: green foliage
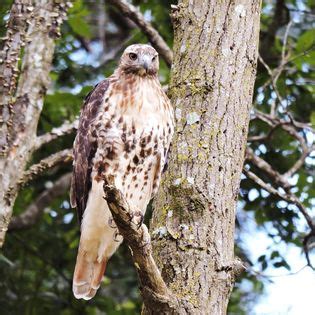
77 21
305 41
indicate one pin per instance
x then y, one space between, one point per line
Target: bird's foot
136 217
146 241
117 236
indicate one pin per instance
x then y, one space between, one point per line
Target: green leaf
306 40
79 26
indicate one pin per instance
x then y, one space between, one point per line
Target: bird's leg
136 217
146 239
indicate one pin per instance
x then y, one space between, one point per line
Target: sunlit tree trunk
213 74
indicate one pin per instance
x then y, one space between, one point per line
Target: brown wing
84 149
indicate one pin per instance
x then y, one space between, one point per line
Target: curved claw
116 237
137 218
112 223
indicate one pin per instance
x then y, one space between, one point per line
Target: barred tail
87 276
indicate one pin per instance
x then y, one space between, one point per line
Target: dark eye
154 58
133 56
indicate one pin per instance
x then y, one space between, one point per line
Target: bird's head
140 59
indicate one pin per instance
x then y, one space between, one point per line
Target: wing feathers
85 147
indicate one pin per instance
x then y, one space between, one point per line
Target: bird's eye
154 58
133 56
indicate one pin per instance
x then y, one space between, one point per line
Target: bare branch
267 168
285 41
153 36
64 156
300 162
34 211
291 127
154 291
306 247
35 170
274 75
65 129
291 198
251 270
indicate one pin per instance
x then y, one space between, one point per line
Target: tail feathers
87 276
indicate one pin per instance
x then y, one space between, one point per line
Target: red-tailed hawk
125 130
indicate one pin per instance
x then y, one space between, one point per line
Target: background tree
39 252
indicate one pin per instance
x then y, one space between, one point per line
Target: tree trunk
20 117
213 74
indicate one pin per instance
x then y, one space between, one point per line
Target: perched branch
34 211
65 129
154 37
154 291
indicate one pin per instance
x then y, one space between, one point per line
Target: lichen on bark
213 74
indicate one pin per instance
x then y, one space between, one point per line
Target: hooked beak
145 62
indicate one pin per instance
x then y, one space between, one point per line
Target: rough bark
156 296
9 57
24 112
213 74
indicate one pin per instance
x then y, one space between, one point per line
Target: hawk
124 133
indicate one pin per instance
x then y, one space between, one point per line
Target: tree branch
291 198
154 291
34 211
65 129
292 127
267 168
153 36
64 156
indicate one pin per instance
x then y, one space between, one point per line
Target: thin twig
266 168
153 36
289 197
64 156
65 129
292 128
261 274
285 41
